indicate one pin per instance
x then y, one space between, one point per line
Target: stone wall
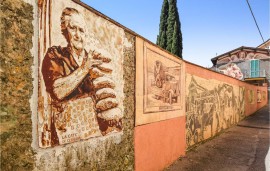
19 104
16 85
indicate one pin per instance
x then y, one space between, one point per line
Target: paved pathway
241 148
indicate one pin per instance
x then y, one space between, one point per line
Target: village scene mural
211 106
80 75
162 83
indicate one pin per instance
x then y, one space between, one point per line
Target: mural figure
242 56
162 84
165 86
159 74
251 96
232 70
263 95
83 101
259 96
208 111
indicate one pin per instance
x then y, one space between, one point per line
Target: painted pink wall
159 144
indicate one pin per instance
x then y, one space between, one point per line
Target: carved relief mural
80 74
159 84
162 83
251 96
259 96
263 95
211 106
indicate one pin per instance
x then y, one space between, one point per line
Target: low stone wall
16 85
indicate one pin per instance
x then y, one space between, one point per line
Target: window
255 68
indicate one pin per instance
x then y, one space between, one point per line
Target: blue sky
209 27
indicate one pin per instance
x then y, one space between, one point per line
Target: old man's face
76 31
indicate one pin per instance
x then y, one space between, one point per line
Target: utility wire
255 20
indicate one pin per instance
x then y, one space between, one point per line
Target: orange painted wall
251 108
159 144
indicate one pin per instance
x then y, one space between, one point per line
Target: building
250 64
265 45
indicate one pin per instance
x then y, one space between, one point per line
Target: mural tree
170 35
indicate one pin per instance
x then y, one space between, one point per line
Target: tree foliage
170 36
175 40
162 39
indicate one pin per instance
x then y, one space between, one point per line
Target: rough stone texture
121 156
113 152
16 85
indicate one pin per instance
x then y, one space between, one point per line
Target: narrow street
241 148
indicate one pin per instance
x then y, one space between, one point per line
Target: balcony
256 74
260 77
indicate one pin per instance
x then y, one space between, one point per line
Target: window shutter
255 68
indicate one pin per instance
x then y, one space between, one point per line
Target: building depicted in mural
80 60
211 106
246 63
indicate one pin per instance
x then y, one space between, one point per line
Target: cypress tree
170 24
180 38
173 19
163 41
162 37
175 40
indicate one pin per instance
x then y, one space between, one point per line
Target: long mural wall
179 104
82 92
215 102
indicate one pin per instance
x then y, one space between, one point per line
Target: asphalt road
240 148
